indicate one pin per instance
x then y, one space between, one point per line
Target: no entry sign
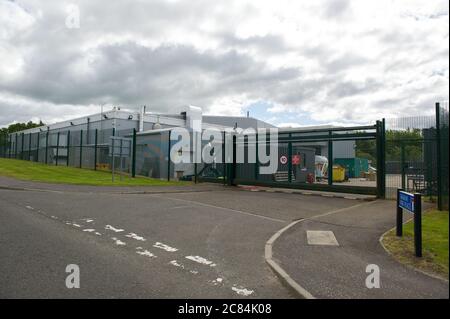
296 160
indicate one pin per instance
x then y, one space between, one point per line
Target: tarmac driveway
199 244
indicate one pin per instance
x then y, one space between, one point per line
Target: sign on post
413 204
406 201
119 147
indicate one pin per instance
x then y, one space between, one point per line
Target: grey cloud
337 8
126 53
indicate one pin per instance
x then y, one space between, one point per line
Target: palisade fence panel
88 150
4 145
411 156
42 148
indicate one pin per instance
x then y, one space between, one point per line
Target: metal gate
346 159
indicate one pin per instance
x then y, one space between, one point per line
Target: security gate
347 160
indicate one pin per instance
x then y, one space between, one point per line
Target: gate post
133 162
290 159
380 147
168 157
330 158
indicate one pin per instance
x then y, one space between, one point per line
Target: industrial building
84 142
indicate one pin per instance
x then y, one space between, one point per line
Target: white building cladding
84 141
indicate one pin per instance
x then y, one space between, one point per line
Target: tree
17 127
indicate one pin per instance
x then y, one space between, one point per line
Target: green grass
435 243
31 171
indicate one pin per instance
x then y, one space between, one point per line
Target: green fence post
15 146
438 155
95 149
81 148
38 145
257 161
224 160
29 146
68 148
46 147
22 147
402 163
290 159
168 158
10 145
133 162
57 148
330 158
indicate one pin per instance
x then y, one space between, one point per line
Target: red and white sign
296 159
283 159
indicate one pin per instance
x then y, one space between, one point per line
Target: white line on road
201 260
223 208
165 247
117 230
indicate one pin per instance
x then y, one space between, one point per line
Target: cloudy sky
288 62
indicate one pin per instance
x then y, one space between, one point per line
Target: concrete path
329 271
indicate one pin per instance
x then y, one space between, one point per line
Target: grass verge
434 241
32 171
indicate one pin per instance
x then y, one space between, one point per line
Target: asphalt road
207 244
339 272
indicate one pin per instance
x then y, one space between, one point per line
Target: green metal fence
442 125
417 155
83 149
300 153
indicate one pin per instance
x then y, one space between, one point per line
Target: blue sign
406 201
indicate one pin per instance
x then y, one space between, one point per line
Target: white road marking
201 260
222 208
145 253
97 233
176 264
135 236
117 230
89 230
88 220
118 242
165 247
217 281
29 207
242 291
76 225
